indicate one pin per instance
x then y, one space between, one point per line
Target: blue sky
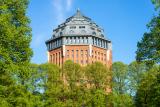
124 22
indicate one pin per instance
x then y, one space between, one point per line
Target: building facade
81 40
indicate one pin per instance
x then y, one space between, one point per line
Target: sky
124 22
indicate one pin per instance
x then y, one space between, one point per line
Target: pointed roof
78 13
78 19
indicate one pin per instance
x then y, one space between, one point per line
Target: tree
15 34
72 73
53 85
99 98
99 75
15 52
149 47
135 73
156 3
77 94
119 71
99 81
148 93
120 100
120 96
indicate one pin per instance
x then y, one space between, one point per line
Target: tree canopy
23 84
149 47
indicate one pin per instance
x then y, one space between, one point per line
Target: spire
78 13
78 10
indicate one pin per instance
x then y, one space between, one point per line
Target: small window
50 58
98 30
77 53
92 28
82 27
93 33
86 52
57 30
102 35
60 33
82 62
72 27
81 53
67 53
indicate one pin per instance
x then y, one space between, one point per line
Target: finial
78 13
78 9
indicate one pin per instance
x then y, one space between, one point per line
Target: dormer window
92 28
102 35
71 31
93 33
60 33
82 27
57 30
83 31
72 27
98 30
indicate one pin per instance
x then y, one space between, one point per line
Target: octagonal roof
78 24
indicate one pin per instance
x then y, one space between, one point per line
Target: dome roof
78 24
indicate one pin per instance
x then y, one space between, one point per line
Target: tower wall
81 54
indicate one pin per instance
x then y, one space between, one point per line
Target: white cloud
60 7
58 10
69 4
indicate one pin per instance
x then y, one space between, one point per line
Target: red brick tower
80 40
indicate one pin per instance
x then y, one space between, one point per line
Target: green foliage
15 54
72 73
123 84
120 100
148 93
120 71
135 74
156 3
98 74
15 33
148 51
67 87
149 47
29 85
52 84
99 99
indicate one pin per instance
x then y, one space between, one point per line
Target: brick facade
80 54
